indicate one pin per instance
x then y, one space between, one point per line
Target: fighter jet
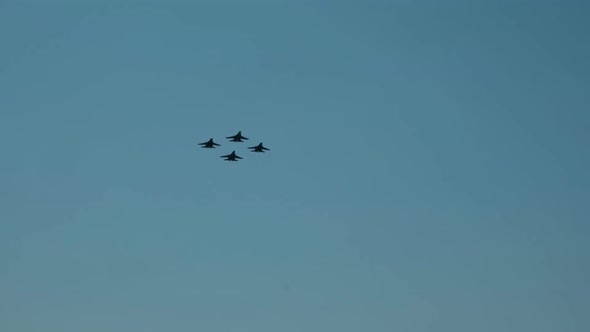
209 144
258 148
237 137
231 157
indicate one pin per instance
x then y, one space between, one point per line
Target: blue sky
428 167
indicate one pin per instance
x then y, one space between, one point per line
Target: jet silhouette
237 137
209 144
258 148
231 157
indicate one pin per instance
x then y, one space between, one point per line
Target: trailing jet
237 137
258 148
231 157
209 144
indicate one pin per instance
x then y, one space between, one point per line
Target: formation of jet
210 144
258 148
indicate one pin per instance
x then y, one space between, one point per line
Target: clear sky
429 166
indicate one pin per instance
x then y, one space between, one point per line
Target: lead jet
258 148
209 144
237 137
231 157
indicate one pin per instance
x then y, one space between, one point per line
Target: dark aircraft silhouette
237 137
258 148
231 157
209 144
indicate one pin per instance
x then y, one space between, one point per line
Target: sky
428 168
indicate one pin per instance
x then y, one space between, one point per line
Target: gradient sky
429 166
